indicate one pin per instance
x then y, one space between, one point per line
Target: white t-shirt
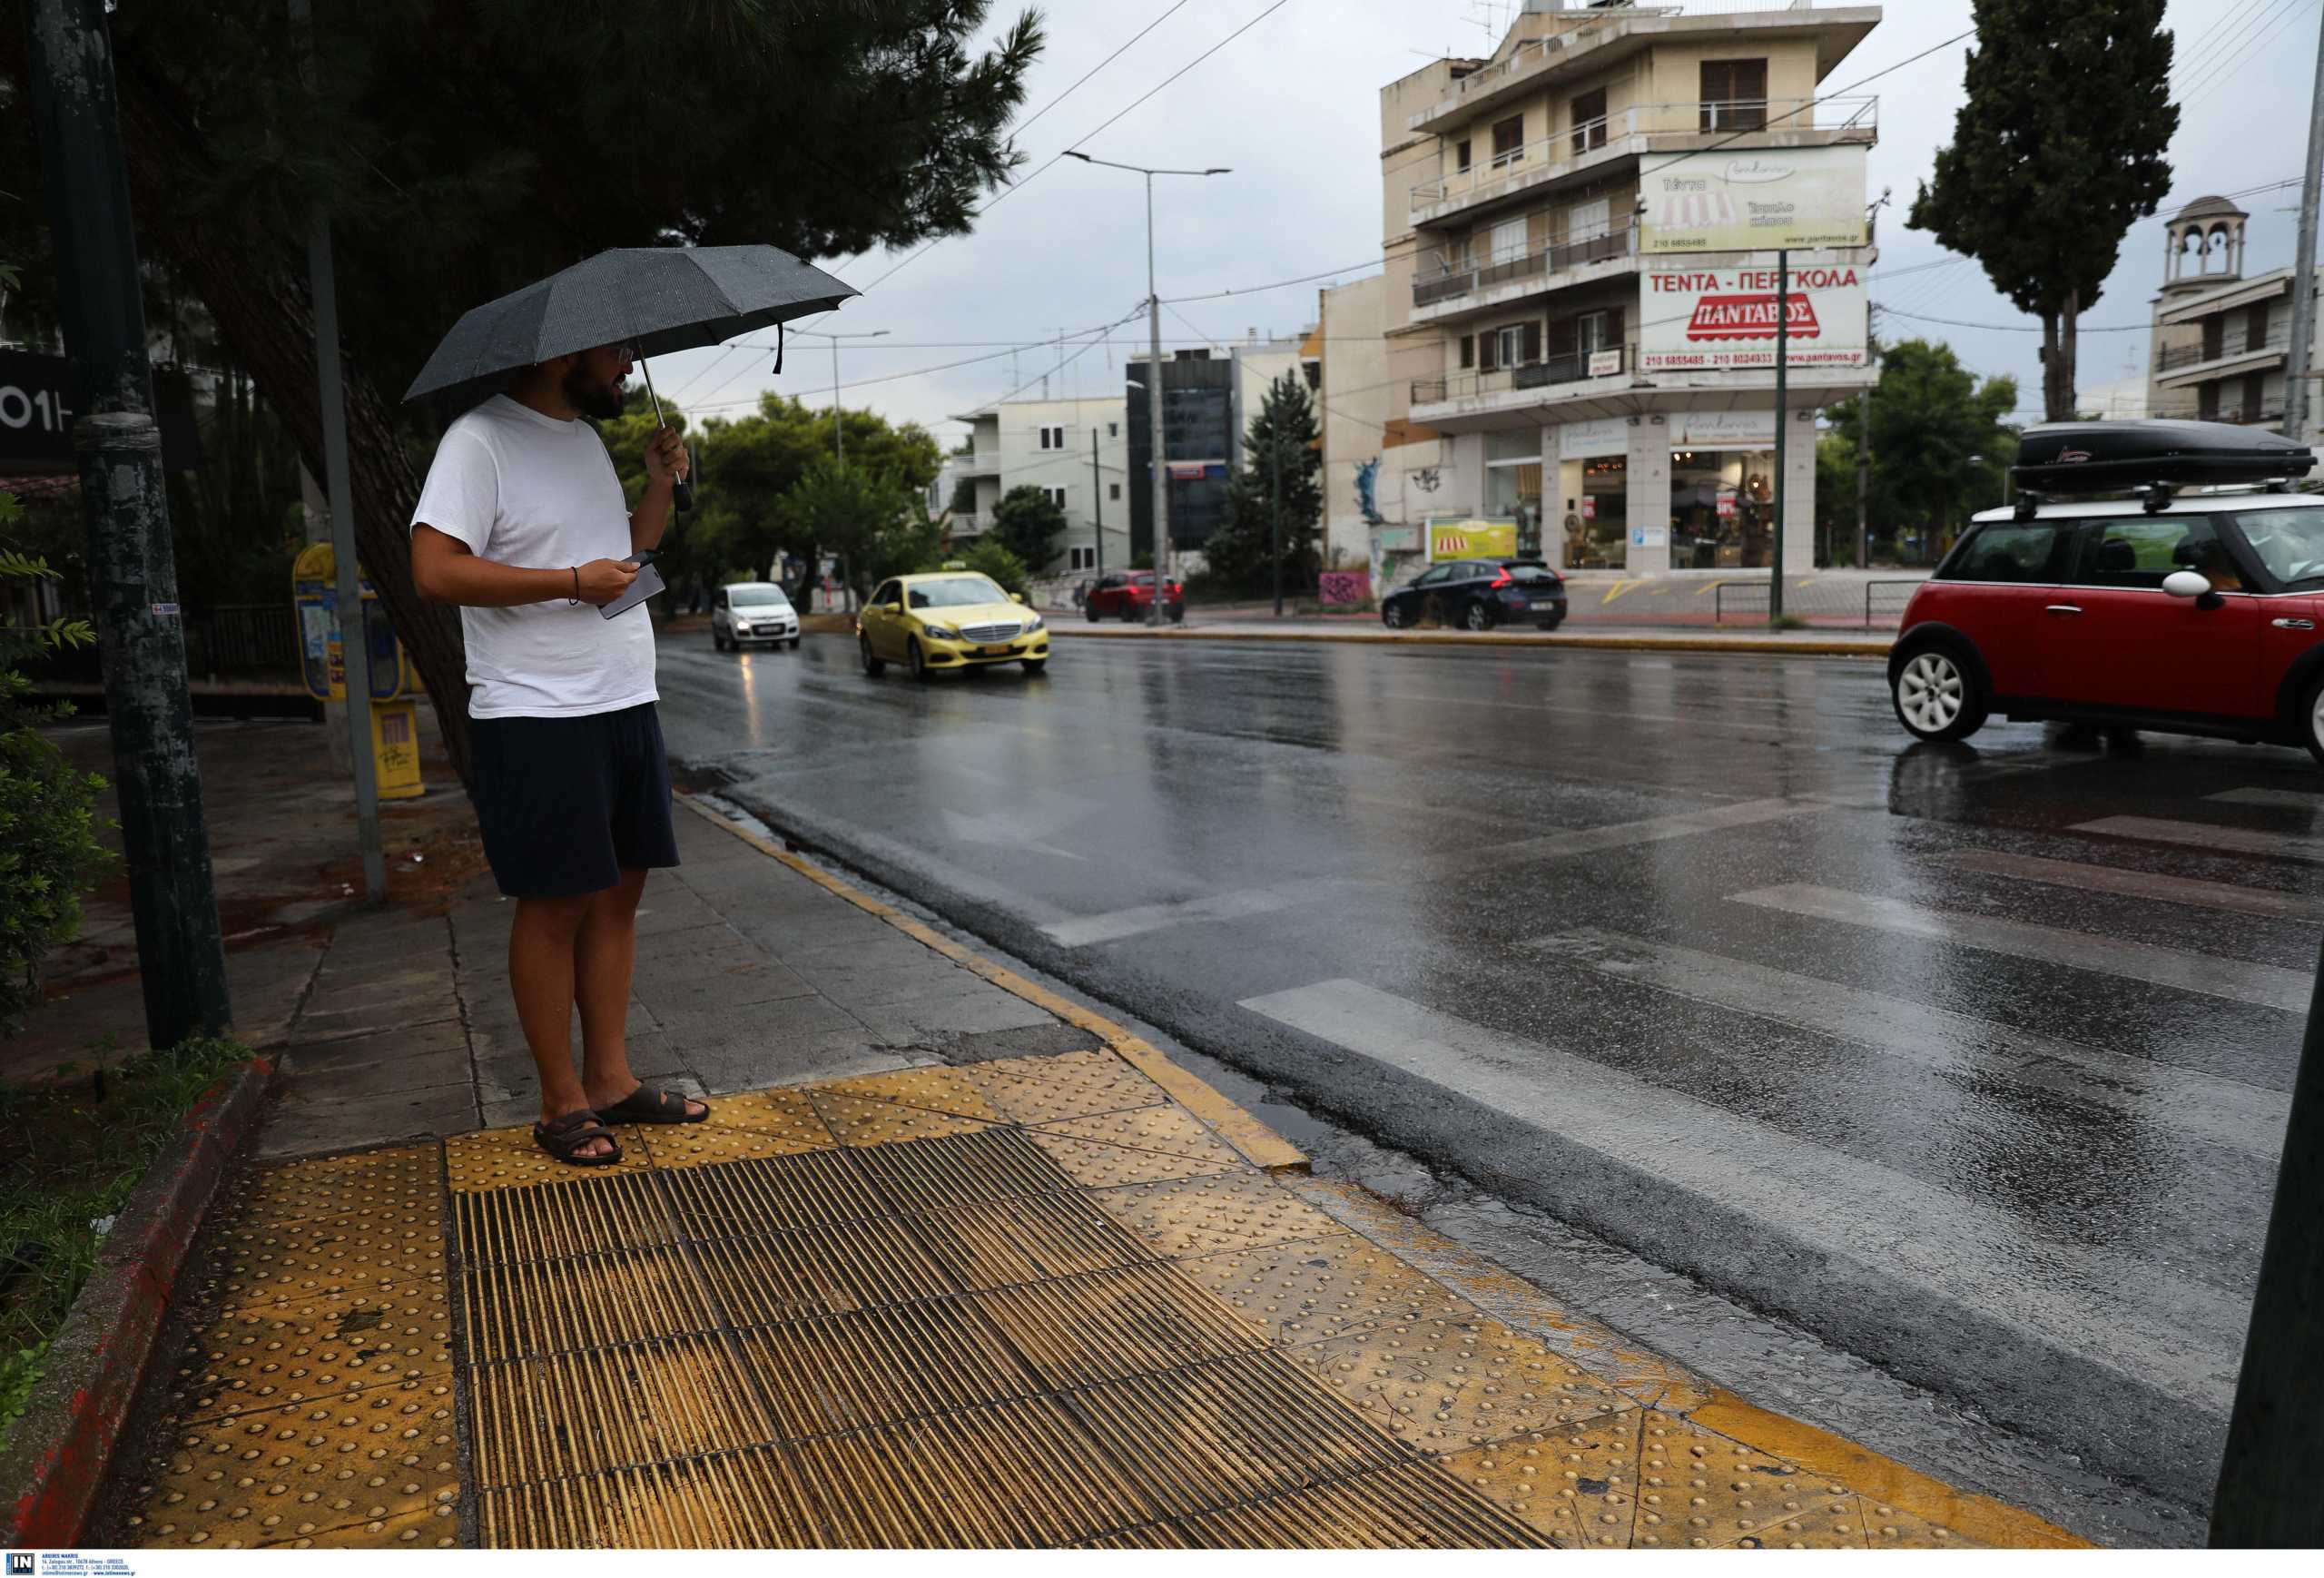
525 489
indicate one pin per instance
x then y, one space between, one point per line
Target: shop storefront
1593 473
1514 484
1722 491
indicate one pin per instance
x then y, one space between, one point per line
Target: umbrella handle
681 495
681 491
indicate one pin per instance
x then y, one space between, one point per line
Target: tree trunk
2066 372
261 310
2052 359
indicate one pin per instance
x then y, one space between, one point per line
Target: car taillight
1501 580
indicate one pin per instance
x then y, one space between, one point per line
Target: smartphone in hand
648 582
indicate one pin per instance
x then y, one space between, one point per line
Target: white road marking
2296 799
1084 931
2226 1112
1872 1222
1653 829
2137 885
2233 979
2203 835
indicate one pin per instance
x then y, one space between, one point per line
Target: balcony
1465 276
1576 366
1582 385
2183 359
1642 128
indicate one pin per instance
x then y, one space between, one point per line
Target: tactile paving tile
1203 1216
260 1261
854 1120
620 1210
1146 1146
263 1356
545 1306
1023 1239
749 1500
846 1372
1043 1090
302 1473
509 1159
963 1169
1013 1474
436 1528
781 1115
1205 1435
939 1089
567 1414
1306 1291
1578 1483
813 1189
334 1186
1888 1527
1402 1508
818 1271
1108 1326
674 1145
1696 1489
1445 1384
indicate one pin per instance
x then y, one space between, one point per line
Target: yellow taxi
949 619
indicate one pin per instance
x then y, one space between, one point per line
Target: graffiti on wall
1343 588
1367 490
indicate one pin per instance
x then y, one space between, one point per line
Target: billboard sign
1471 540
1715 320
1752 200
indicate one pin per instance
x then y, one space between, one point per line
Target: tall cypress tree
1239 553
2059 148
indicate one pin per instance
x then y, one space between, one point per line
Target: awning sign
1718 319
1471 540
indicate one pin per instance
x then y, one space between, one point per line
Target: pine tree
2059 147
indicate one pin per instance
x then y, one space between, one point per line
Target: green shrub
990 558
49 855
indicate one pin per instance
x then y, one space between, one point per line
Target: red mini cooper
2183 612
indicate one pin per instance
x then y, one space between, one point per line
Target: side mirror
1015 597
2186 584
892 607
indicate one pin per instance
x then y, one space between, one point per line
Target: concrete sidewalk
957 1262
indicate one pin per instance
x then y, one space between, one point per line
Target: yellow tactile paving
1025 1303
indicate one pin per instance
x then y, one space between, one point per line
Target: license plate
1000 651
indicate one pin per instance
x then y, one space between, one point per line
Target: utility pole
1783 355
132 570
1864 482
2303 268
354 643
1274 512
839 437
1156 468
1097 503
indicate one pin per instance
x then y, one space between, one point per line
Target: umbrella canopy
656 299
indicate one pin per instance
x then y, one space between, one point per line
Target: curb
63 1443
1262 1146
1759 646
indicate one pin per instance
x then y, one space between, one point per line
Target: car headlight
1032 623
941 631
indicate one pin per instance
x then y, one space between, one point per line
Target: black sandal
646 1105
563 1138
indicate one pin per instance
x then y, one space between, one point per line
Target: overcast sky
1293 106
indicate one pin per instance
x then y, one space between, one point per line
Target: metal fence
243 638
1882 605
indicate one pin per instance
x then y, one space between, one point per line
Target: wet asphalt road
1972 1060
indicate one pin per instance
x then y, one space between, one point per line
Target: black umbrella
654 300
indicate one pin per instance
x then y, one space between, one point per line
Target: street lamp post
1159 478
839 443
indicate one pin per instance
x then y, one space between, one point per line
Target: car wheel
1478 617
1936 694
919 669
717 642
1552 622
871 665
794 644
1130 613
1090 609
1178 614
2311 720
1036 664
1392 614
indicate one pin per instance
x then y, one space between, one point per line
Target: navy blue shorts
567 805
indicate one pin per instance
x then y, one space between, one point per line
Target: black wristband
574 600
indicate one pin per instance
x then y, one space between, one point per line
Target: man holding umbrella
523 524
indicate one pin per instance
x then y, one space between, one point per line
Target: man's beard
600 401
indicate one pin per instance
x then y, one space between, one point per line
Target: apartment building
2218 350
1075 449
1579 301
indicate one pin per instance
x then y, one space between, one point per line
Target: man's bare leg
541 952
604 957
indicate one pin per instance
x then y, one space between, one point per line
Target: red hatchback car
1130 597
2182 613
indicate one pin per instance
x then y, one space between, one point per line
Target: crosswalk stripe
2110 1309
2295 799
1653 829
2233 979
2137 885
2209 836
1083 930
2226 1112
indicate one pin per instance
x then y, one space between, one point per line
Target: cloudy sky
1291 102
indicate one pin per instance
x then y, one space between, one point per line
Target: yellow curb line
1262 1146
1883 1479
1831 648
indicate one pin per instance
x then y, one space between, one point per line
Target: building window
1113 490
1468 350
1461 155
1735 95
1113 429
1055 495
1515 344
1509 142
2255 325
1589 120
1052 438
1593 331
1084 558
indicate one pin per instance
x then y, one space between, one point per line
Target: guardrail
1464 274
1882 595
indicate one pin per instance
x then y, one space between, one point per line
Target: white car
750 612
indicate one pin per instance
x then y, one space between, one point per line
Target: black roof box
2107 457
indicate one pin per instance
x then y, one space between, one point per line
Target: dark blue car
1477 594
